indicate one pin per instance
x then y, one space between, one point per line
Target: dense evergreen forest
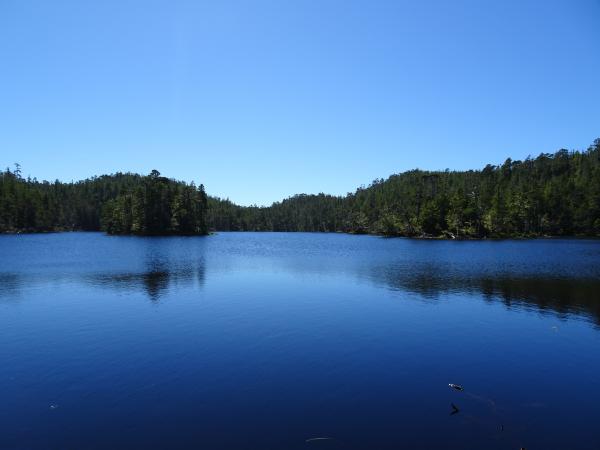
553 194
118 204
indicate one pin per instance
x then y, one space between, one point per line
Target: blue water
267 340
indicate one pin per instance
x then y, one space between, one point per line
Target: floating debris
319 439
53 406
455 409
456 387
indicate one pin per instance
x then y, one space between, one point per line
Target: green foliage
119 204
28 205
556 195
157 206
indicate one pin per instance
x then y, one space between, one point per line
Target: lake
298 341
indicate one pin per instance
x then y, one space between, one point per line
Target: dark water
262 341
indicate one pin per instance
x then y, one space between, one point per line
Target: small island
157 206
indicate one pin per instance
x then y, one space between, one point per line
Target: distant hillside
553 194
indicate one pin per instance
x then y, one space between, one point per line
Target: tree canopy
118 204
553 194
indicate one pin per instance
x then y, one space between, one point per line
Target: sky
260 100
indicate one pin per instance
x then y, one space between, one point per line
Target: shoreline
387 236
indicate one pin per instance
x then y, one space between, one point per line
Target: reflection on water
266 341
128 264
155 281
563 277
559 295
10 285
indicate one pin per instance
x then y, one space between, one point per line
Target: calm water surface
265 341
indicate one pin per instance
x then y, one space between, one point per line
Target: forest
118 204
550 195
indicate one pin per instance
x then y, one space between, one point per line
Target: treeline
157 206
298 213
553 194
118 204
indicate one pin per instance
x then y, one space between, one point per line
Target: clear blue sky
260 100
